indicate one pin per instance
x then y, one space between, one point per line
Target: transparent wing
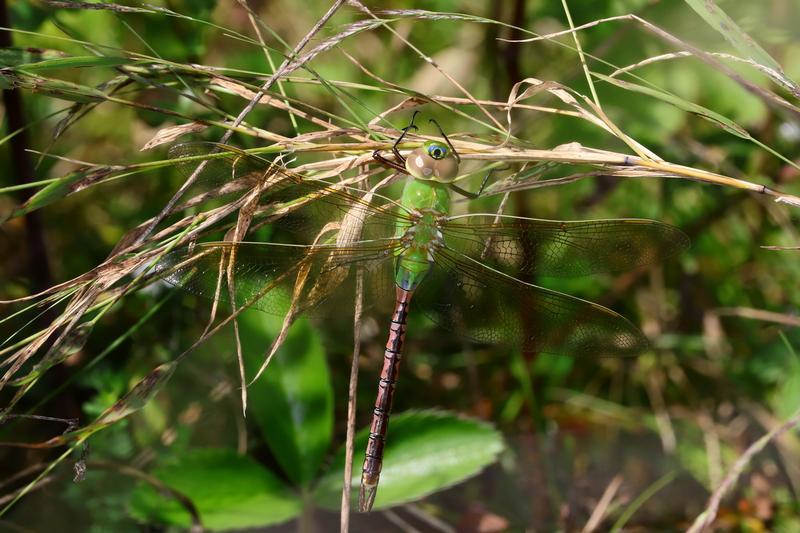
268 276
227 169
222 165
489 307
517 245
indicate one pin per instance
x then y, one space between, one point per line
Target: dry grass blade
289 318
581 56
254 23
172 133
349 31
237 235
283 70
684 54
349 231
601 508
566 95
237 88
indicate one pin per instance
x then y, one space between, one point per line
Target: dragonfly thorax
424 231
420 241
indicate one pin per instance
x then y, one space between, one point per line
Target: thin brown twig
759 314
27 471
707 517
601 508
400 522
351 405
434 523
27 489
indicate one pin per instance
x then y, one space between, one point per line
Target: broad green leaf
292 402
426 452
692 453
28 15
690 107
230 491
786 397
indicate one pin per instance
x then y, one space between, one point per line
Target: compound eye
437 152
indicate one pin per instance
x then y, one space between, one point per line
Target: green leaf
33 59
13 57
692 454
58 189
292 402
736 36
786 397
230 491
76 62
425 452
690 107
63 90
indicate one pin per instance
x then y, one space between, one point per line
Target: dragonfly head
433 161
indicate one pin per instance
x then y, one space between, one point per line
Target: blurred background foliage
722 318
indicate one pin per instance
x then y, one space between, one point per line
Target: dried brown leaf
172 133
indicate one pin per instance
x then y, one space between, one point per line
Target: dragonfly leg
400 164
473 195
376 155
411 125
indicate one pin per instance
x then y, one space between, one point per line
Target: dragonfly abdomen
373 460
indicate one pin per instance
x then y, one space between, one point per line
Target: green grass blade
715 118
648 493
736 36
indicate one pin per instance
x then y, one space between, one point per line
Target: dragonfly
463 270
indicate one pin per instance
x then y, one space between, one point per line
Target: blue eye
437 152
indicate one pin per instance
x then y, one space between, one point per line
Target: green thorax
421 195
429 203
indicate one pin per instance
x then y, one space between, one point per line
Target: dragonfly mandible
462 270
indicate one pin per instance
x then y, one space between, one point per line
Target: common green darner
460 269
